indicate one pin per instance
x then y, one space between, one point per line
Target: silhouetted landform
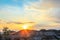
30 35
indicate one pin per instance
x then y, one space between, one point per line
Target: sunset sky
38 13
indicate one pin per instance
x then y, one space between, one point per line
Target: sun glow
28 26
25 26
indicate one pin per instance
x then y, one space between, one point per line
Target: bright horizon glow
25 26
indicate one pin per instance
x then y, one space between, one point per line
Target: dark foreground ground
31 35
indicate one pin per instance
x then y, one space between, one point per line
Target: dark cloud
18 22
30 22
14 22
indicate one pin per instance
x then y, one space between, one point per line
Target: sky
43 14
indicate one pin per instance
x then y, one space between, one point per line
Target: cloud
14 22
35 13
55 3
55 12
41 26
44 12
